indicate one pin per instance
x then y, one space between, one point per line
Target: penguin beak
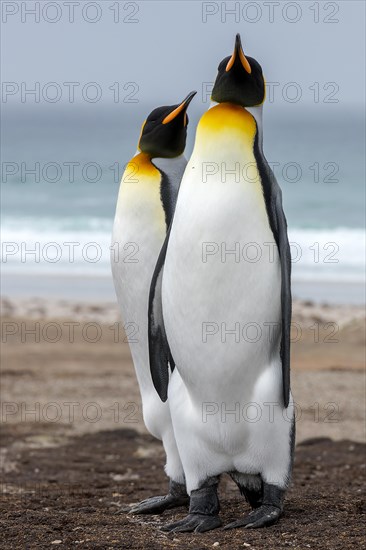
182 107
238 52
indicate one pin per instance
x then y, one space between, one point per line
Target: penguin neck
171 171
169 166
141 164
257 114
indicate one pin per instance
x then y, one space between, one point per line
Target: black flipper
277 220
286 300
159 351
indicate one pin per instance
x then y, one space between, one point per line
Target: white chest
222 279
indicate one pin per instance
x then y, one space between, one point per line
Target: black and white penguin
145 206
225 306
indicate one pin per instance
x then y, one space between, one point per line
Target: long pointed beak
238 51
182 107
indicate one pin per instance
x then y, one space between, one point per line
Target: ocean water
61 173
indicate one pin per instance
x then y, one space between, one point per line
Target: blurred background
78 83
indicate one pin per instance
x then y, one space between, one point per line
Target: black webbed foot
194 522
263 516
268 513
176 497
203 511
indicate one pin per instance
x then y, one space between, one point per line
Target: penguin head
239 79
164 132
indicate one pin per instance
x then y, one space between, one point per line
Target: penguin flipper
159 352
277 221
286 300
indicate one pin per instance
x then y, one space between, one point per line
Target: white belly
138 234
136 244
218 307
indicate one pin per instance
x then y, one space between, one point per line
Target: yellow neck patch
139 198
139 168
228 119
228 115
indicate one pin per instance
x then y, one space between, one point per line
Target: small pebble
57 541
246 544
216 544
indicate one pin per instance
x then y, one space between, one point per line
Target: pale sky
170 50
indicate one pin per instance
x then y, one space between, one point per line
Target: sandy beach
79 352
68 383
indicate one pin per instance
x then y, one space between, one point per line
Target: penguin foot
250 487
157 505
203 511
176 497
194 522
263 516
267 513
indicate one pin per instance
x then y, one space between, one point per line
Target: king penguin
144 210
225 298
